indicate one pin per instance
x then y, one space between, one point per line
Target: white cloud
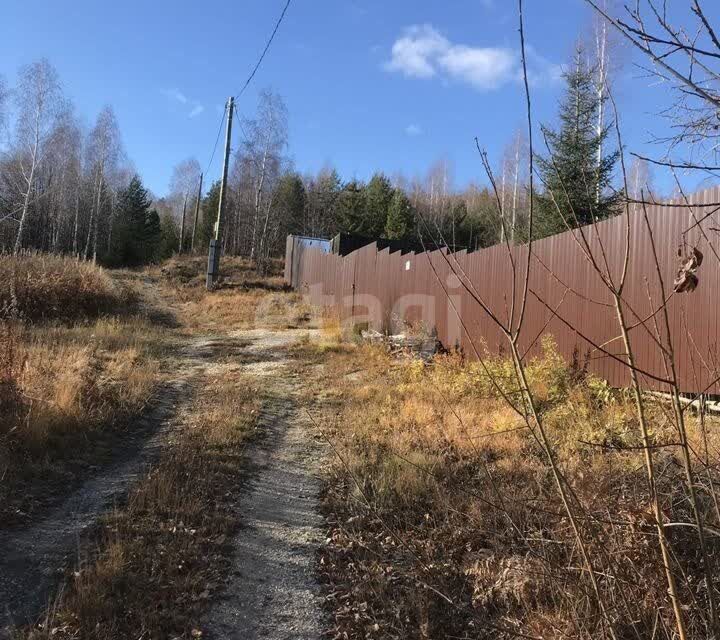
175 94
540 70
413 130
483 68
423 52
416 52
196 111
178 96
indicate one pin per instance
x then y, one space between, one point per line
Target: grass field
442 513
444 519
242 299
73 385
78 359
159 559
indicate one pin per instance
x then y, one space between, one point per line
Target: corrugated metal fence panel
566 298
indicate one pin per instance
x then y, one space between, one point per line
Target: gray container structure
295 248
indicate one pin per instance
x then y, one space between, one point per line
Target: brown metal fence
566 296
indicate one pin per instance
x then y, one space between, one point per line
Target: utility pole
216 243
197 213
182 225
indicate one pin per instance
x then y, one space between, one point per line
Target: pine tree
401 218
323 202
378 196
574 183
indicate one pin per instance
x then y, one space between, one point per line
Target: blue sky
369 84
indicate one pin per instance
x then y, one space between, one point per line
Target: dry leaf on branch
686 279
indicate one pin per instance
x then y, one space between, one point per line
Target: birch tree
65 180
264 142
605 59
3 107
439 185
183 190
104 150
519 152
680 48
639 178
38 98
322 194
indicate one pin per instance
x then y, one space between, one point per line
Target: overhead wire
247 83
265 50
217 139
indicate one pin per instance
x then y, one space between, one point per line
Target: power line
217 139
247 83
267 46
240 122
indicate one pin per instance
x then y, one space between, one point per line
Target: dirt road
33 558
272 592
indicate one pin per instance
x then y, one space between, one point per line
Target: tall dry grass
445 520
75 366
51 287
160 558
241 299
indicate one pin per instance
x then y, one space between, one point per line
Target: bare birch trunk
29 180
601 43
502 206
258 196
515 189
75 226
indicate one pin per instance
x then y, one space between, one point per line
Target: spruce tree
400 222
454 225
378 196
129 234
573 180
169 237
209 208
289 202
351 207
152 236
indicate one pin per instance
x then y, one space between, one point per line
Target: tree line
268 198
68 189
65 189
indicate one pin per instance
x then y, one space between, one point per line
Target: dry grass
51 287
188 273
69 382
163 555
68 390
462 503
154 563
241 300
